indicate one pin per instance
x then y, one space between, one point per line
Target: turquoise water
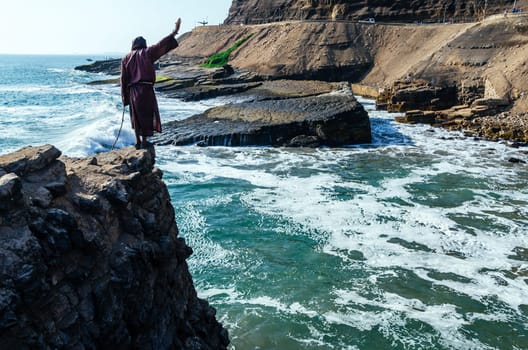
418 241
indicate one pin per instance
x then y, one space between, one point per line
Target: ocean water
417 241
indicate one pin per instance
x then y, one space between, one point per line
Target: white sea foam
409 214
398 310
394 223
95 129
212 292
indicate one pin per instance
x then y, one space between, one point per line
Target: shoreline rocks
90 256
333 119
504 126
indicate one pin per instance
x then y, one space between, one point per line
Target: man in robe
137 84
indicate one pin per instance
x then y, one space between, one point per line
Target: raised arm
166 44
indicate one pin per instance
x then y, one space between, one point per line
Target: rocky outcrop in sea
90 256
329 119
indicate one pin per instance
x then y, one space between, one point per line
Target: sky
97 26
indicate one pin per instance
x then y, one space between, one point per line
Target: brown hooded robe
137 85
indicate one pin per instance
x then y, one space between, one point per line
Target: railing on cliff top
506 15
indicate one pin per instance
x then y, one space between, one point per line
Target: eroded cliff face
265 11
90 256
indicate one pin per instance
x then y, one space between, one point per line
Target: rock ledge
90 258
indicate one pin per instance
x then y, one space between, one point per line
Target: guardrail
506 15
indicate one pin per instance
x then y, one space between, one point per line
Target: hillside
473 56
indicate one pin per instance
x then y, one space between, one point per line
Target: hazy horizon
99 28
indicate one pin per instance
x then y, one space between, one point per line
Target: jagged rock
329 119
90 257
516 160
29 159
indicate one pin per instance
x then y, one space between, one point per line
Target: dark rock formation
110 67
330 119
404 96
265 11
90 258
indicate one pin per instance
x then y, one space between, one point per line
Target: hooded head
139 43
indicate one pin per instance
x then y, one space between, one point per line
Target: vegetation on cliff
220 59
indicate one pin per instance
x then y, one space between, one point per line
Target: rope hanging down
121 127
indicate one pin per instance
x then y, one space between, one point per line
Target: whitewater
416 241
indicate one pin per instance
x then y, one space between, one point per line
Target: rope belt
141 83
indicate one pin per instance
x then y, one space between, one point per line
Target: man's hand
177 26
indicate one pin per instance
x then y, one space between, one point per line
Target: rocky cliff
266 11
90 257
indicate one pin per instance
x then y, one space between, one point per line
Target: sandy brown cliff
265 11
90 257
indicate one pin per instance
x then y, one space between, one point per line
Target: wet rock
93 259
225 72
330 119
304 141
503 126
10 187
516 160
